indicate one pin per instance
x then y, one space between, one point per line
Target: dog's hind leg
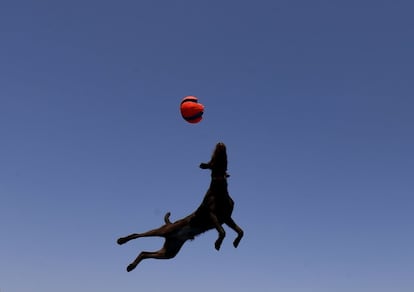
169 250
125 239
155 232
230 222
144 255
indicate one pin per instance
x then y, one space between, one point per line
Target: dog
214 211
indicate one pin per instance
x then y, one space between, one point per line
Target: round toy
191 110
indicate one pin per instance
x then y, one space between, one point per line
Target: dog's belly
187 232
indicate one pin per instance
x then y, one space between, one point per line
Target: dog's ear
204 165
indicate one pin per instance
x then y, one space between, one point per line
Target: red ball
191 110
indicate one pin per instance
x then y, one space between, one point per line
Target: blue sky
314 100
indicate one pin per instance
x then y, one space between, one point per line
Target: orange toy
191 110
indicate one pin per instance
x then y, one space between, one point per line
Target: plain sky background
314 99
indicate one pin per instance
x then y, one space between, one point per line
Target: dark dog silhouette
215 209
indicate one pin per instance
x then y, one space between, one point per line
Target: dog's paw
217 244
238 238
121 240
131 267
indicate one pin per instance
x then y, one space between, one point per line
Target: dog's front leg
230 222
220 231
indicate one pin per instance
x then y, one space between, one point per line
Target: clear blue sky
314 99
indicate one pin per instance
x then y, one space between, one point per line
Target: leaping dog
215 209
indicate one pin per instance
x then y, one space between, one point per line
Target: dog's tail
167 218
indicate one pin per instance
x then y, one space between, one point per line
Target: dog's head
218 162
